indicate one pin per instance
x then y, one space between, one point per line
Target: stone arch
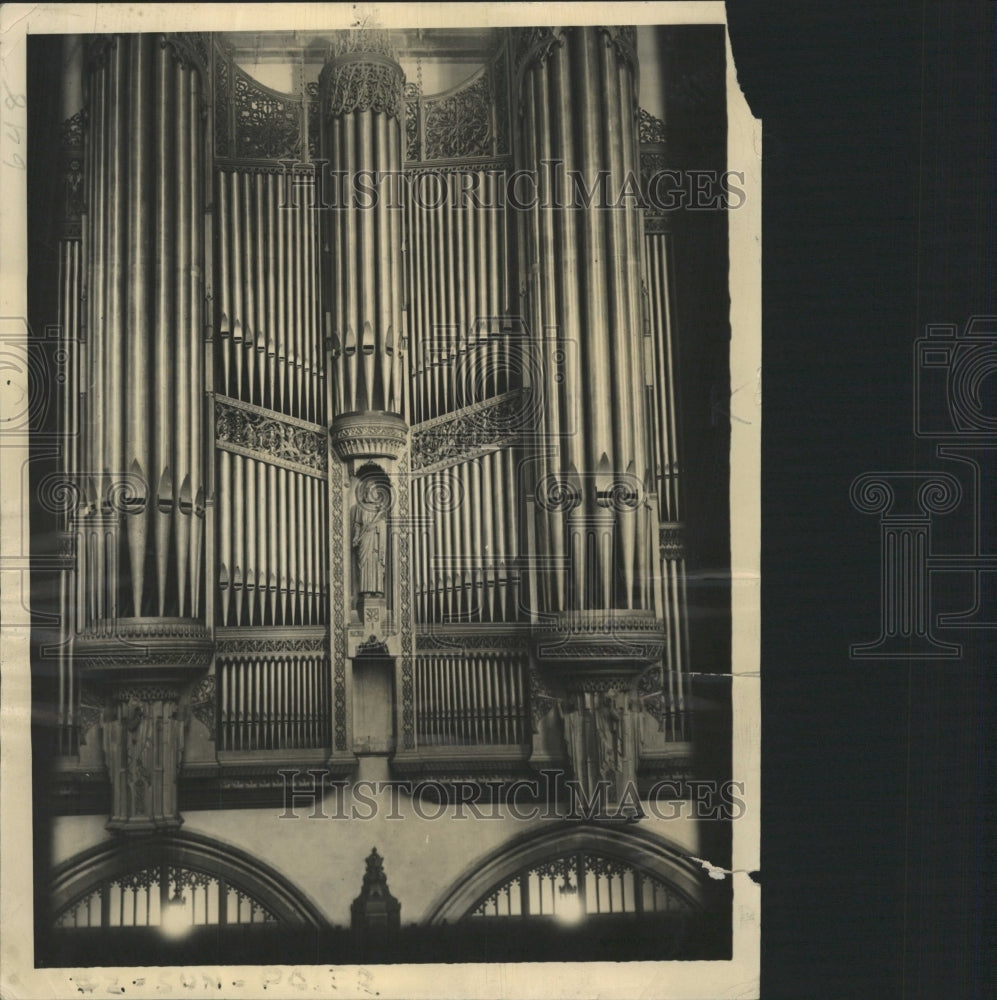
79 877
650 855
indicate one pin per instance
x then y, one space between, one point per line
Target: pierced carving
72 130
267 124
412 144
275 439
460 123
467 433
651 129
362 82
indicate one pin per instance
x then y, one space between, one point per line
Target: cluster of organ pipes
366 302
467 541
143 377
470 700
278 702
665 419
273 558
673 577
140 380
577 107
269 327
458 288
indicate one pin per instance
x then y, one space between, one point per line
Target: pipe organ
349 400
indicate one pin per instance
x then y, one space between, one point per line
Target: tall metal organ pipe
361 94
577 93
143 382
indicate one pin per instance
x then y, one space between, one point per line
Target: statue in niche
369 536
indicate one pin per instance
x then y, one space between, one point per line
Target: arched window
578 884
174 883
574 872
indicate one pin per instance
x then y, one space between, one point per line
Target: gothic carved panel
650 128
459 124
363 83
473 430
267 124
274 439
412 145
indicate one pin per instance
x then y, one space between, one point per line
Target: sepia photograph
387 451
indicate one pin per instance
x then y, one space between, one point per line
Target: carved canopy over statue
370 536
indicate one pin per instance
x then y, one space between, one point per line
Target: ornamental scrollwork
267 124
623 39
412 145
459 124
532 46
234 647
72 130
271 438
481 427
650 129
362 83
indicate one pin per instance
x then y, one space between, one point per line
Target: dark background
879 174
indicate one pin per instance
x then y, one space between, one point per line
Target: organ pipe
577 97
271 346
270 529
361 93
143 267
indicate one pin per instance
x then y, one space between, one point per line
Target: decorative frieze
253 646
671 541
470 431
278 439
